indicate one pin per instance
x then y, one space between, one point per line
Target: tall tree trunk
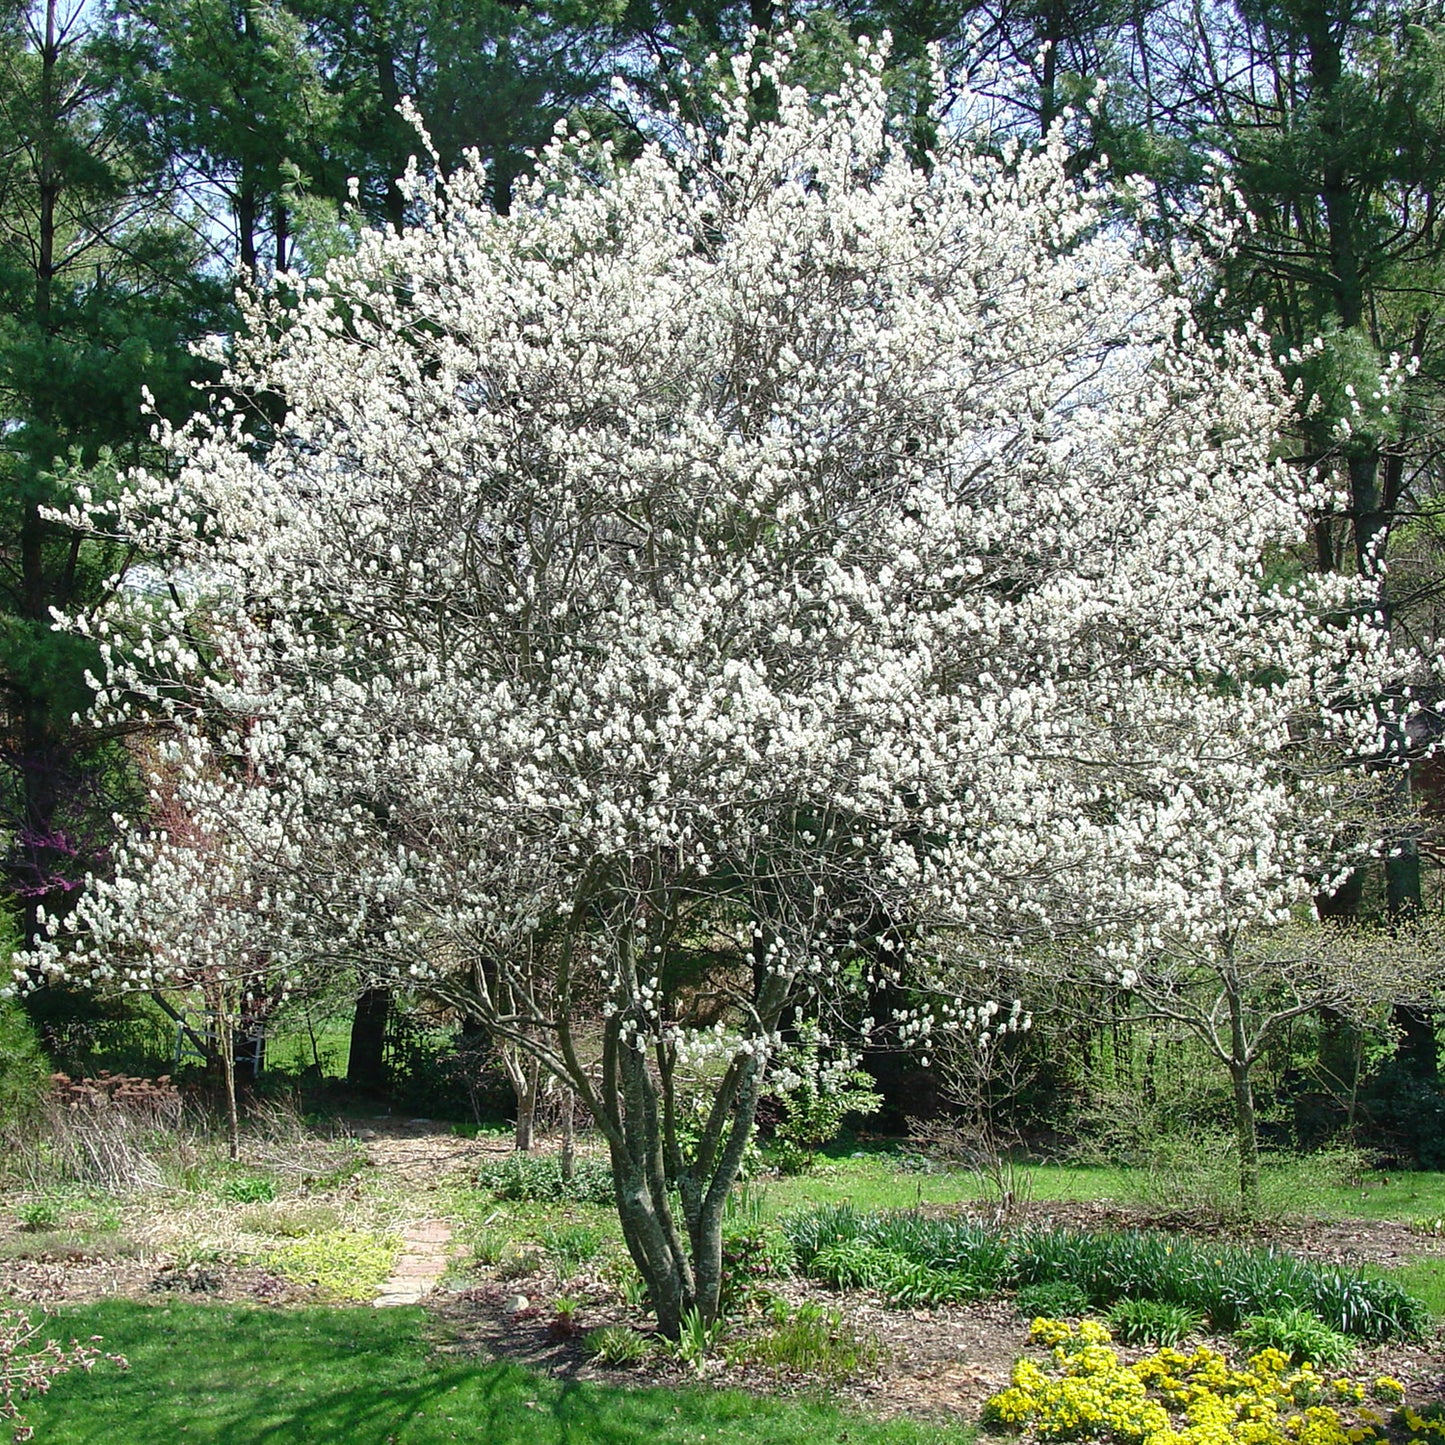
366 1060
246 219
41 747
1246 1123
389 89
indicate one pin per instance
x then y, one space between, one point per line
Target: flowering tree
655 610
1232 952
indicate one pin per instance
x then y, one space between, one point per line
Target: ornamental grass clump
1223 1282
1153 1322
1301 1335
1197 1280
1056 1299
1176 1397
912 1260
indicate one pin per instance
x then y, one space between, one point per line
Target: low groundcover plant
1190 1397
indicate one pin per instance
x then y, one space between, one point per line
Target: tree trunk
527 1085
640 1182
1246 1129
1241 1063
366 1060
226 1047
1417 1051
389 89
246 219
567 1159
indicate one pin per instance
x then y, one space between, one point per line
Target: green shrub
812 1115
24 1070
810 1343
1300 1334
538 1178
570 1246
752 1253
1152 1322
1057 1300
617 1346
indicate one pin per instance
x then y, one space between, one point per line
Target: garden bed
931 1364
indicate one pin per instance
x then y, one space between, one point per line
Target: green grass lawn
873 1179
222 1375
1424 1278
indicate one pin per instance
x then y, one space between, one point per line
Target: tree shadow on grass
215 1375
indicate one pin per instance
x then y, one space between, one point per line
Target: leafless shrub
982 1077
28 1367
109 1131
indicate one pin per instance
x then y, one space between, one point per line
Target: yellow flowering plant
1191 1397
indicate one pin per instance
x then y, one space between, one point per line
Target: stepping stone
422 1262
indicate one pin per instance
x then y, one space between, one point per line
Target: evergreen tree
98 297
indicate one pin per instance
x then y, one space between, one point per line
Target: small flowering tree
658 610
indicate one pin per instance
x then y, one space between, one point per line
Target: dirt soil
933 1364
939 1364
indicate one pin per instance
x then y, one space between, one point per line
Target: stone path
422 1263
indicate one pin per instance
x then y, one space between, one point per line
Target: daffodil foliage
664 606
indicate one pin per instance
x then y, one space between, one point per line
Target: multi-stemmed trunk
680 1258
670 1199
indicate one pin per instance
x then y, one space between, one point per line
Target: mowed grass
223 1375
874 1179
1424 1278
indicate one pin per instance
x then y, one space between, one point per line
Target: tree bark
366 1059
1241 1064
526 1085
226 1048
567 1159
1246 1128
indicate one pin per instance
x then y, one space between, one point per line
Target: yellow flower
1085 1393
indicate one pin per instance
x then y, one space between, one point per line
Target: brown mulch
53 1283
420 1150
942 1364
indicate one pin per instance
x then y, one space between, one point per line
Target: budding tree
655 607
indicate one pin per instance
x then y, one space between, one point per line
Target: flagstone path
423 1261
